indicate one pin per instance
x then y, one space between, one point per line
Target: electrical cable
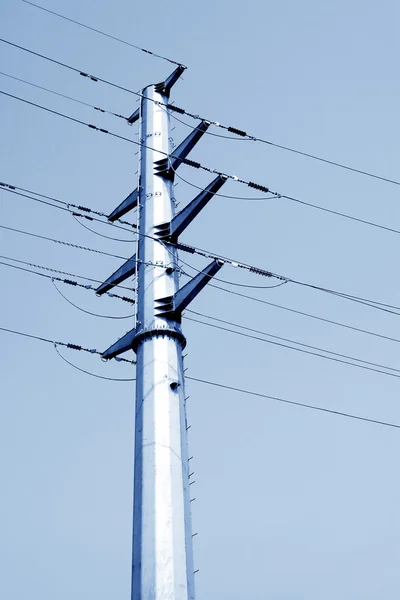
334 354
279 306
42 237
358 299
243 136
87 311
185 161
68 274
8 187
64 344
220 385
364 301
293 403
5 187
202 189
88 372
40 87
70 282
309 315
107 237
108 35
233 130
367 302
298 201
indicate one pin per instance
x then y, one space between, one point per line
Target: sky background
291 504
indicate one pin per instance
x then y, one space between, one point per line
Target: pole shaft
162 563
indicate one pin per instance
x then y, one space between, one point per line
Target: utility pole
162 561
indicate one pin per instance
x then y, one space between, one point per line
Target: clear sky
291 504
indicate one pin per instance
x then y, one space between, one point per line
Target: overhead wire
65 273
215 384
107 237
50 91
108 35
293 403
70 244
306 314
64 344
335 356
385 307
259 300
88 312
73 283
278 196
186 161
233 130
8 187
88 372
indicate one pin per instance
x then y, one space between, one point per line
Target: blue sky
290 503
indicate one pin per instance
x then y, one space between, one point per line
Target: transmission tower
162 554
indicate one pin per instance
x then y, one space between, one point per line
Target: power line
8 187
107 237
29 264
108 35
186 161
306 314
247 137
88 372
64 344
245 296
40 87
334 356
67 209
298 201
88 312
215 384
70 244
293 403
72 283
233 130
358 299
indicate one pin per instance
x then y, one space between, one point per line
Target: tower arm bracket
126 270
173 306
122 345
134 117
171 231
128 204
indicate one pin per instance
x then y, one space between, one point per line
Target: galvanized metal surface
162 566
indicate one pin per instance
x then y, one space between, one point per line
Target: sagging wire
45 89
65 281
67 205
108 237
68 345
186 161
87 311
88 372
108 35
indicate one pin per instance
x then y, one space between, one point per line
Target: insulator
237 131
74 347
70 282
191 163
257 186
260 272
176 109
185 248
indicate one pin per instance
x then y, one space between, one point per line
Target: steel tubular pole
162 563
